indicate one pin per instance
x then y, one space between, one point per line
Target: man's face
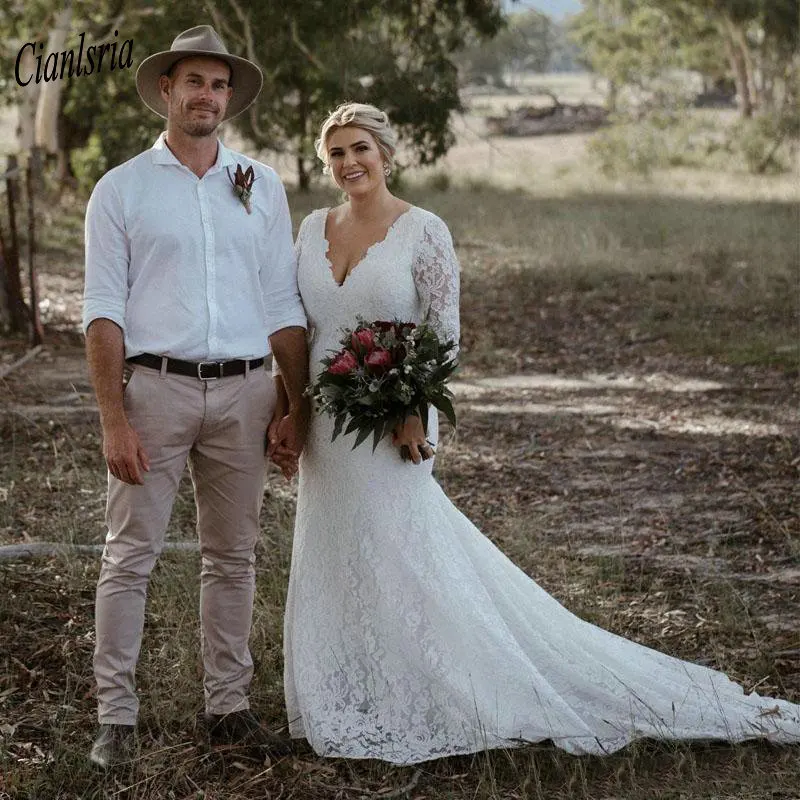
197 95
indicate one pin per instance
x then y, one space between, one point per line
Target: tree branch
262 137
296 41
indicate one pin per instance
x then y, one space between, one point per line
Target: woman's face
355 161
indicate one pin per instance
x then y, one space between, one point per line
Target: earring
387 170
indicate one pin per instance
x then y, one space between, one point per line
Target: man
190 284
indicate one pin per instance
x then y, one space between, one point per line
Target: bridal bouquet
384 372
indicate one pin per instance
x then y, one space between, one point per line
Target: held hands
286 437
124 454
409 436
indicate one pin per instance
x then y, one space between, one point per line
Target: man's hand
286 438
124 454
285 458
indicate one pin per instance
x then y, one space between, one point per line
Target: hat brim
246 79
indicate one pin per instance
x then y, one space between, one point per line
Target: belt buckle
202 364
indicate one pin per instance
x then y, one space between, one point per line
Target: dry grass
668 516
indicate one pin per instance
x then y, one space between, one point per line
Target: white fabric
410 636
178 263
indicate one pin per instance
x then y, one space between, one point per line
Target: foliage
671 138
314 55
397 55
758 140
525 43
755 42
657 140
625 41
103 122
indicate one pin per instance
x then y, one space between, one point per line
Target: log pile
544 121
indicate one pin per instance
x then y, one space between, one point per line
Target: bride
408 634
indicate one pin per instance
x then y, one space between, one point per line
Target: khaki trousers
219 427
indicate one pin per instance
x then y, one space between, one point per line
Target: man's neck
199 153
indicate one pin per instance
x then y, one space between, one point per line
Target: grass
679 540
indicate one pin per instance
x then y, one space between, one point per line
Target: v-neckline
326 244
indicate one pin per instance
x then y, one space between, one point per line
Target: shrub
758 140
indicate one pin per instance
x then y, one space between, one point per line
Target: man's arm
290 426
105 352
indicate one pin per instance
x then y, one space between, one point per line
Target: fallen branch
12 552
403 790
32 353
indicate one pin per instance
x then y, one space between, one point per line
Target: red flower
379 360
383 326
344 363
363 339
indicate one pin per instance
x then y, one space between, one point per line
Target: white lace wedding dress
408 634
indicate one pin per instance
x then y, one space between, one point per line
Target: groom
190 285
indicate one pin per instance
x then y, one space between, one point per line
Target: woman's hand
409 436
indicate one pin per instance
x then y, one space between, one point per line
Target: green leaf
423 415
446 407
352 425
363 433
378 434
338 422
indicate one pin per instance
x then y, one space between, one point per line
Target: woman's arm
437 277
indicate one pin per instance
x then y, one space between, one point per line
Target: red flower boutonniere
242 182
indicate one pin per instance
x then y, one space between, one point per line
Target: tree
101 111
397 54
754 41
525 43
628 42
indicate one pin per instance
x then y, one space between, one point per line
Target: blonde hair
358 115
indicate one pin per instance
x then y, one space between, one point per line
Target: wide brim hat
203 40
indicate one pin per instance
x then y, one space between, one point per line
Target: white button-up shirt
178 263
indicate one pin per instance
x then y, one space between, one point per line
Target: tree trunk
304 143
49 105
5 307
303 174
749 68
739 68
611 96
26 108
15 312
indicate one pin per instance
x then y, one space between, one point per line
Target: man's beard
198 128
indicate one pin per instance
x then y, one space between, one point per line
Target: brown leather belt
204 370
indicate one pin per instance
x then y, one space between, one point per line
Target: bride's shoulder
428 218
430 224
309 220
315 214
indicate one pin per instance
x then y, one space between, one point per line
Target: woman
408 635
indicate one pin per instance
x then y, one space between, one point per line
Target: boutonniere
242 182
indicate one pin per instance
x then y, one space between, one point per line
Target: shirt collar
163 155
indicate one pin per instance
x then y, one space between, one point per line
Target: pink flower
379 360
363 339
344 363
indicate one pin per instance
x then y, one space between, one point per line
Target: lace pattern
436 275
408 634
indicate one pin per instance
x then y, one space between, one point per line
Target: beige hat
246 77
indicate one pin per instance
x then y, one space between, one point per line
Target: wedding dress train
408 634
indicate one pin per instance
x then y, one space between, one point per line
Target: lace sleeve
436 275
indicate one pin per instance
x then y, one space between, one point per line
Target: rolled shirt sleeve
107 257
282 304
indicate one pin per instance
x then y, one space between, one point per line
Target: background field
628 419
